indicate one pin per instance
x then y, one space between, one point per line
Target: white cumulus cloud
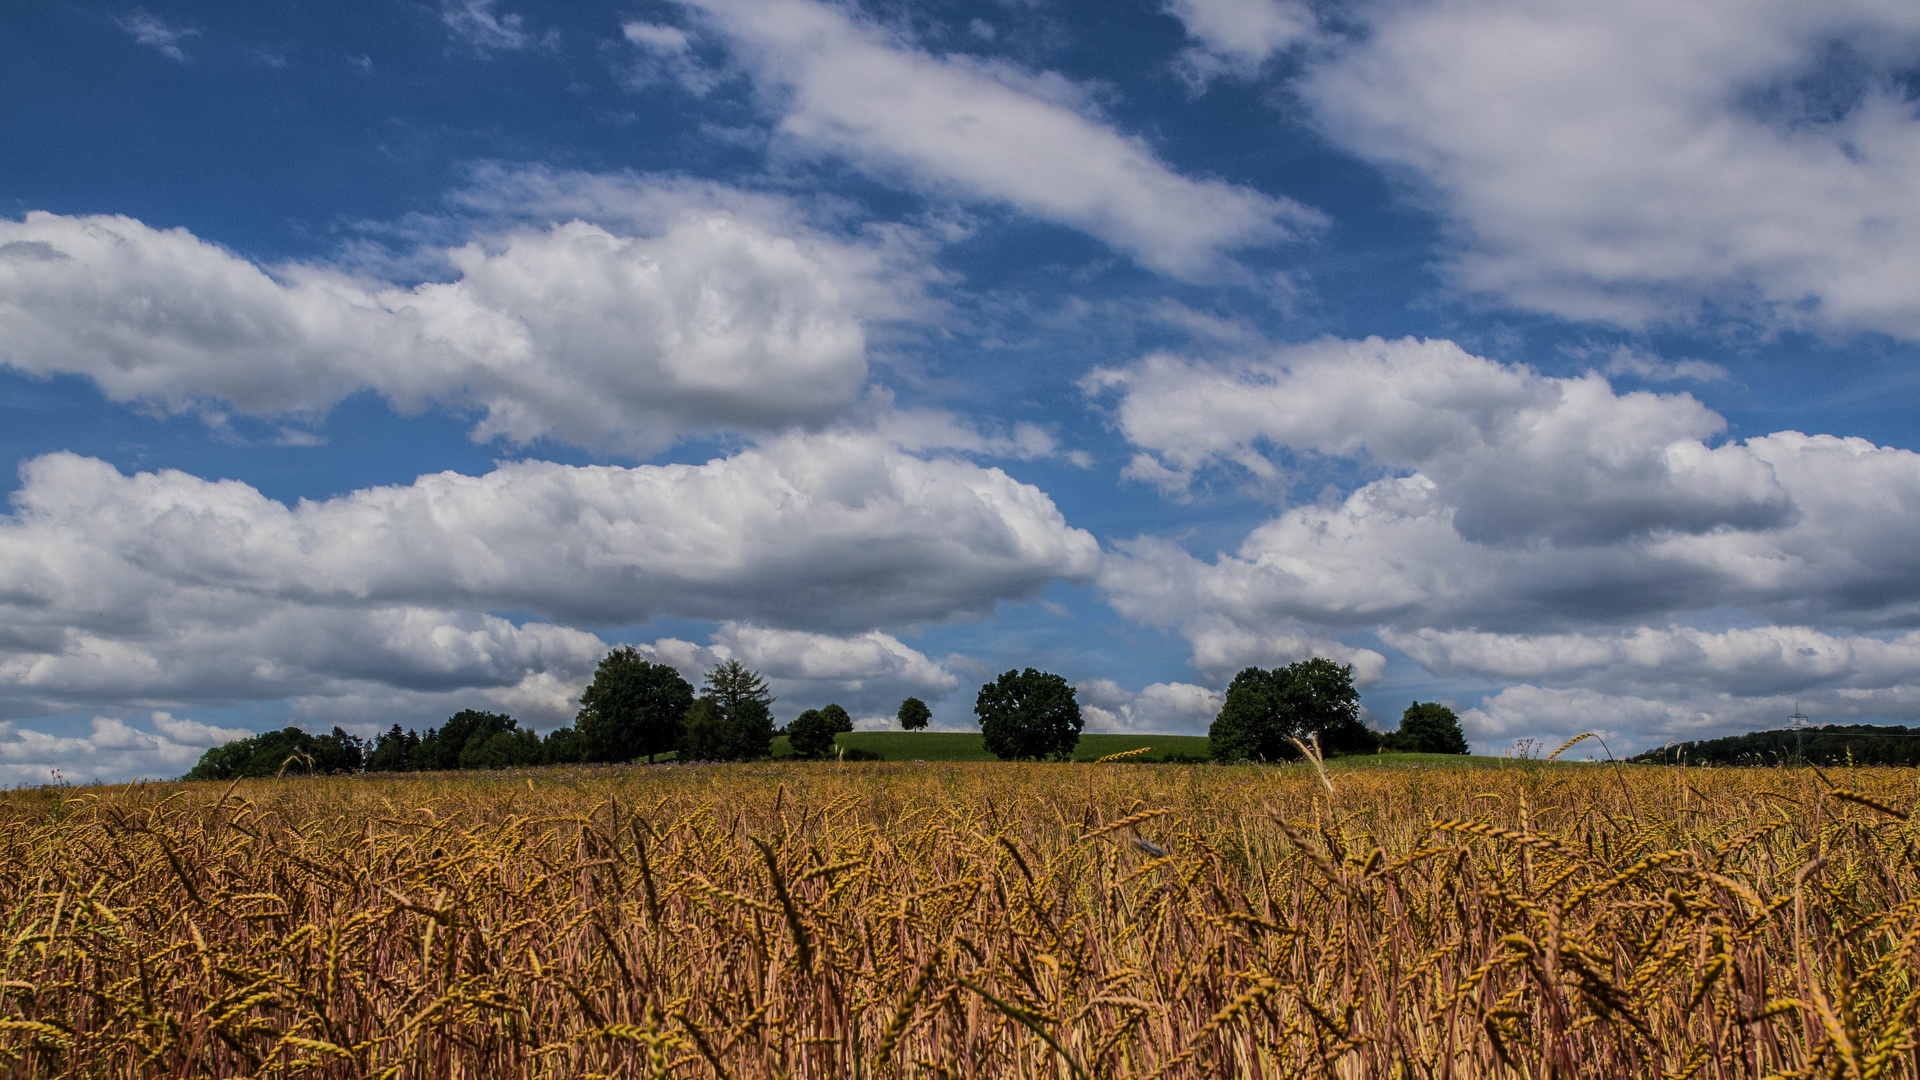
569 331
1642 161
1524 527
163 588
113 750
1159 708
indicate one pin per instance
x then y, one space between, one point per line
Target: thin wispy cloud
150 30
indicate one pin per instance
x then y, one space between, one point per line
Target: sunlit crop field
838 920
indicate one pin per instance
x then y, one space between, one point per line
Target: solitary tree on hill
1427 728
1028 714
914 714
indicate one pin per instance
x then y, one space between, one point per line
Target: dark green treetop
289 749
393 751
914 714
1265 710
809 735
742 709
1027 715
633 707
1427 728
441 747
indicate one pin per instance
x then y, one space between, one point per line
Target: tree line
1830 744
635 708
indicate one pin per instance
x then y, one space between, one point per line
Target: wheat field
962 920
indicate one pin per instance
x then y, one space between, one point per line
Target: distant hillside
1834 744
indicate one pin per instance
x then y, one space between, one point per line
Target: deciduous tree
1266 710
1028 714
1427 728
633 707
809 735
914 714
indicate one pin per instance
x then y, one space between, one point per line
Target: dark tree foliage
705 737
914 714
749 728
338 752
838 722
742 716
633 707
1028 715
441 748
1426 728
563 746
393 751
1266 710
1832 744
809 735
501 750
289 749
470 739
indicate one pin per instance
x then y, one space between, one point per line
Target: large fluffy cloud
708 321
1527 527
164 587
1519 455
1633 161
867 674
990 131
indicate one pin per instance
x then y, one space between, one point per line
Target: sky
365 362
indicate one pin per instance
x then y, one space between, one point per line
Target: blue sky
362 363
